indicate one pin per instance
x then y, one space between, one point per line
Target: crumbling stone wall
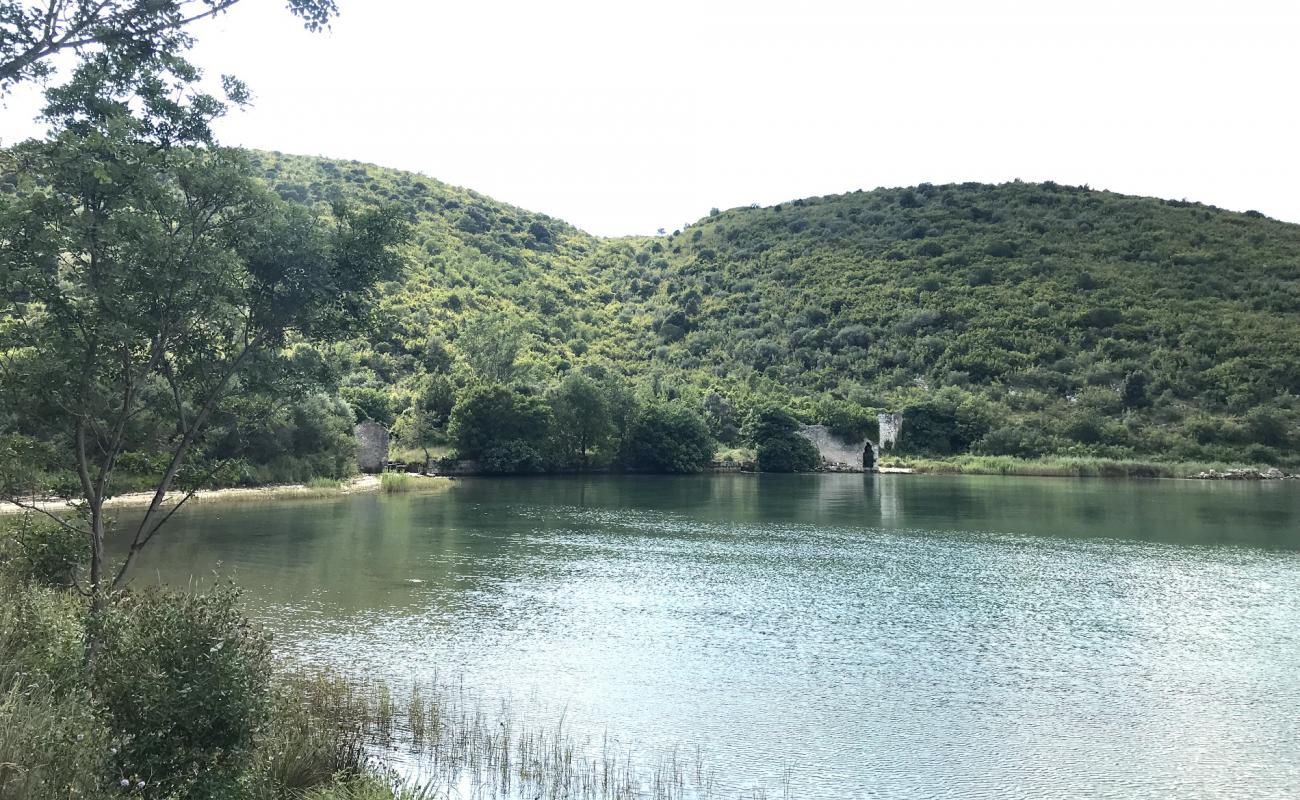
835 451
838 453
891 425
372 446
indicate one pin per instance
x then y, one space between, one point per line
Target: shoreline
958 465
361 484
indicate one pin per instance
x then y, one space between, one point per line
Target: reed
448 744
397 482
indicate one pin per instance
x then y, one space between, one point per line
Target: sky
625 117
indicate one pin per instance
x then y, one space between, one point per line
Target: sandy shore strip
357 485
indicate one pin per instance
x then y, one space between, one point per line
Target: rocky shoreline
1270 474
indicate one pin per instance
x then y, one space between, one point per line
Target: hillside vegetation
1018 319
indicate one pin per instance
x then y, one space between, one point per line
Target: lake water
856 636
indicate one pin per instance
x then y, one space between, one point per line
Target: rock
1270 474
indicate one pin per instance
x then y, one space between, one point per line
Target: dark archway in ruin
868 457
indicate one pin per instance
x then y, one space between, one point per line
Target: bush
790 453
667 438
183 683
1014 440
370 404
515 457
41 551
488 416
316 735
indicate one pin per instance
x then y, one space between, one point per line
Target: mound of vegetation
1019 319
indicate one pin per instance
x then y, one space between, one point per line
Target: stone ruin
841 455
891 426
372 446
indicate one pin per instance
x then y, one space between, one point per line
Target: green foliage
183 681
51 747
41 551
1022 295
369 403
491 345
125 33
946 423
789 453
581 423
847 420
720 416
488 416
667 437
511 457
773 432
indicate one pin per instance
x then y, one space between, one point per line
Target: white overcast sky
623 117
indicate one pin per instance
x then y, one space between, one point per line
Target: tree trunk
98 591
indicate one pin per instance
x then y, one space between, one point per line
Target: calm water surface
886 636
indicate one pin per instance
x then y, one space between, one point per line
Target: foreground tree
140 287
31 33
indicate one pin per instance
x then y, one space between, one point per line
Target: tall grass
395 482
449 744
398 482
1055 466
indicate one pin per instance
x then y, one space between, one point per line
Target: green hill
1017 319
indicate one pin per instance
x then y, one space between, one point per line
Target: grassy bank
1057 466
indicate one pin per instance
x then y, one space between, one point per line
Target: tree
774 432
143 286
580 417
32 32
1133 391
667 437
434 400
791 453
491 345
720 416
491 416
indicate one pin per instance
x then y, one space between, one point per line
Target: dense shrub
183 681
41 551
773 432
370 404
667 437
1015 440
51 746
511 457
487 416
790 453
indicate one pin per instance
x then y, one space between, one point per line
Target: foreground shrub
316 736
183 682
51 747
41 551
